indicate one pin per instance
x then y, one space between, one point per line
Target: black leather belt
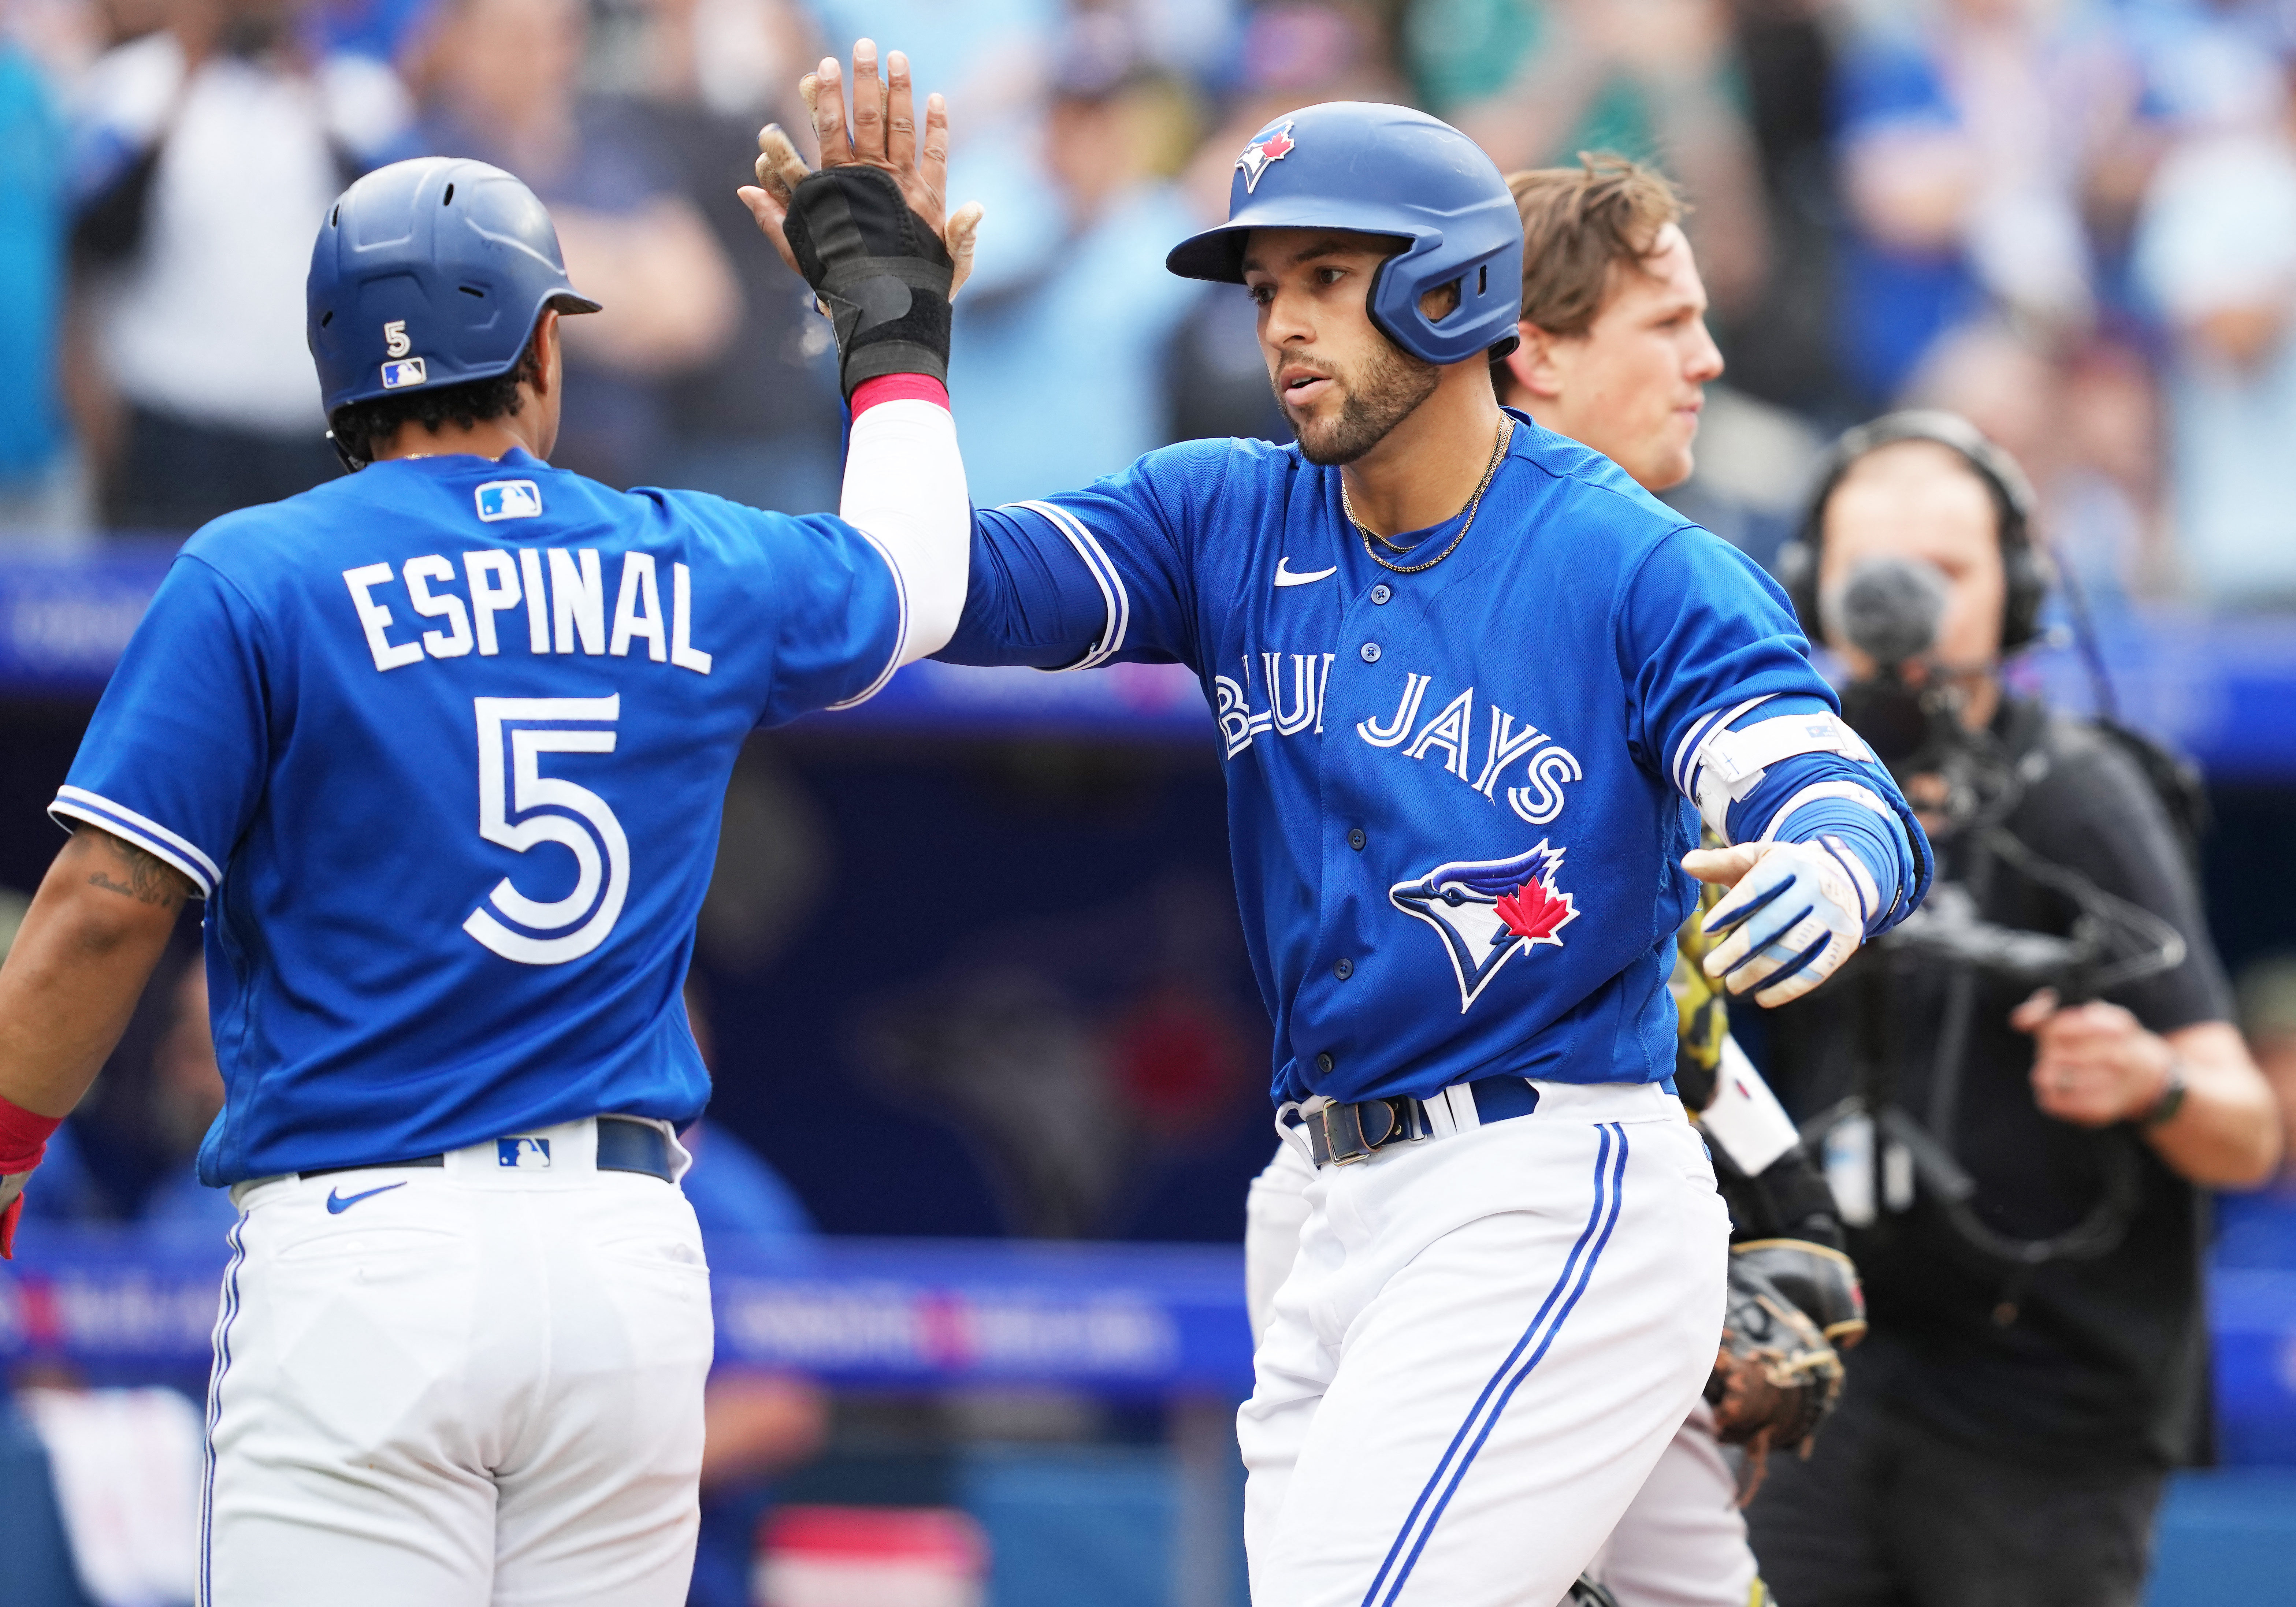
624 1145
1341 1134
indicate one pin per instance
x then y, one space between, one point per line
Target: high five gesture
881 133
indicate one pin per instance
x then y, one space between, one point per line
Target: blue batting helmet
1384 171
430 272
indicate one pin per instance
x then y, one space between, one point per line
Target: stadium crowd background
2074 220
997 988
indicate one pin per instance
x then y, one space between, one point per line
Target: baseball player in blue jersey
1615 355
1475 690
442 745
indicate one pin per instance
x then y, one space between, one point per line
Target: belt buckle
1339 1125
1345 1139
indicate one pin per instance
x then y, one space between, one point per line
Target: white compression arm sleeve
905 491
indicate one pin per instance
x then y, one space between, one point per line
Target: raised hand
882 133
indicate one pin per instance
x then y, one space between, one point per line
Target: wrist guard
879 269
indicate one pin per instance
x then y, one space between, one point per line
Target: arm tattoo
150 879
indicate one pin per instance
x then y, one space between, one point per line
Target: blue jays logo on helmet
1488 911
1391 171
1272 143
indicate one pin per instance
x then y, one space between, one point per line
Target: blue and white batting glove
1797 914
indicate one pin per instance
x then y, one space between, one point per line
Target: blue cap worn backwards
430 272
1376 169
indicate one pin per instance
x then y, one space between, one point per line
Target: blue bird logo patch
1488 911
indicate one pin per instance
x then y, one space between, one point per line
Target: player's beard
1385 393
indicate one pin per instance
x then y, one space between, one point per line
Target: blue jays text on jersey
1457 799
445 744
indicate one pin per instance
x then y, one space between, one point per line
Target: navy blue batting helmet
1390 170
430 272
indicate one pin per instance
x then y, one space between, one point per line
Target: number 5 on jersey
520 730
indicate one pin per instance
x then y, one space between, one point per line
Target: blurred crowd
2072 220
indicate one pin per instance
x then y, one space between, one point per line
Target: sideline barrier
1138 1320
1135 1321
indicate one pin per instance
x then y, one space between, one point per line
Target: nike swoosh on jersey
337 1204
1286 575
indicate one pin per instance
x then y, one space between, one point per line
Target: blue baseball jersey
443 744
1456 799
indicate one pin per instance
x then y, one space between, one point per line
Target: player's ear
546 347
548 377
1532 365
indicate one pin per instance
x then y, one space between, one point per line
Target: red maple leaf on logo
1278 145
1531 912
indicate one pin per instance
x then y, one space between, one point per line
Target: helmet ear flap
1481 321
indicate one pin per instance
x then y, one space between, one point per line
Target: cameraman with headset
2032 1165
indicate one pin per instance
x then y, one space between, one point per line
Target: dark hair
1579 225
359 427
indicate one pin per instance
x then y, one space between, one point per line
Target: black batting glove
879 269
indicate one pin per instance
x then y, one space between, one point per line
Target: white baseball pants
1482 1347
477 1385
1683 1540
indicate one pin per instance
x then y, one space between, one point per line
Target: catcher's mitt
1775 1378
1819 1280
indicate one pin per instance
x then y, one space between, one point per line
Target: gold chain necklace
1498 451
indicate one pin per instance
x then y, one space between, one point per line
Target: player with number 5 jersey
443 746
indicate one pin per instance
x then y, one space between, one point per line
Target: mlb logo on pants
533 1155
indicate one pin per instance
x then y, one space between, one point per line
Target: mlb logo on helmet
509 499
407 371
528 1155
1270 144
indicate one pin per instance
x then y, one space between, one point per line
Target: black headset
2025 568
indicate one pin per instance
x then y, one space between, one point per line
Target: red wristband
23 1136
898 387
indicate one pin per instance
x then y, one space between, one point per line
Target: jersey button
1381 593
1371 652
1356 839
1323 1062
1345 968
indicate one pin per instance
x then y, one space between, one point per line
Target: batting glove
882 273
1792 919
